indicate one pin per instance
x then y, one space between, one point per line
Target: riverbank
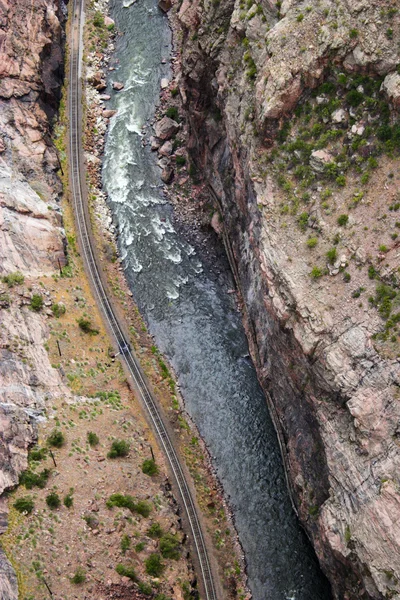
209 492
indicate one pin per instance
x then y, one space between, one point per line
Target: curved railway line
83 226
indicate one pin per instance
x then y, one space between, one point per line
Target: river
183 296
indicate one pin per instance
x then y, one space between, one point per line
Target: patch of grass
56 439
140 546
145 588
126 571
154 565
119 448
79 576
36 302
12 279
92 438
24 504
169 546
53 500
149 467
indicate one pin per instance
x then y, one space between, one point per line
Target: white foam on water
174 256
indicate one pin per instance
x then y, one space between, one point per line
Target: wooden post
52 456
47 585
58 346
152 453
59 266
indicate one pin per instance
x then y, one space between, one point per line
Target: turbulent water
196 324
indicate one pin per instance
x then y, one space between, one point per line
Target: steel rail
84 238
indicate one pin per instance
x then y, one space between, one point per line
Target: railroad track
79 197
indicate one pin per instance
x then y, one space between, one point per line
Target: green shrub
143 508
13 279
36 303
354 98
56 439
154 566
169 546
98 19
24 505
30 479
58 309
174 92
180 160
86 326
145 588
343 220
53 500
126 571
353 34
149 467
300 17
68 500
372 272
312 242
92 438
140 546
125 543
173 113
119 448
331 255
316 272
37 454
79 576
155 530
383 248
346 277
303 220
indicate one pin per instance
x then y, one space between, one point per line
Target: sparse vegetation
30 479
87 327
125 543
155 530
68 500
13 279
58 309
141 507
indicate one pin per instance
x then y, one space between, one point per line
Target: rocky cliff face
31 241
292 112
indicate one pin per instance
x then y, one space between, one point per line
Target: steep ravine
327 362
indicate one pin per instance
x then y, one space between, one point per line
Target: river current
185 301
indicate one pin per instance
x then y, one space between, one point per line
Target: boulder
391 87
117 86
319 159
339 116
167 174
165 5
109 113
166 149
109 22
164 83
166 128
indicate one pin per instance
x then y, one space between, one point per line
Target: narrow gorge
243 163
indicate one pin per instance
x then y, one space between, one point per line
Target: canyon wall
31 240
292 115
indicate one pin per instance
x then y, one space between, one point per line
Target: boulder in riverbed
166 128
117 86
